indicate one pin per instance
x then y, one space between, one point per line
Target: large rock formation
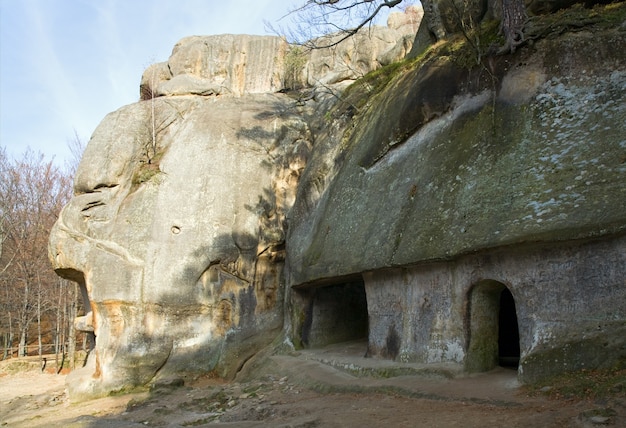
218 215
463 167
176 230
449 193
212 65
364 52
180 248
241 64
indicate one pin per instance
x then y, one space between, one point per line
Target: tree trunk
57 333
512 24
21 347
39 341
8 350
11 337
71 328
432 18
5 345
63 332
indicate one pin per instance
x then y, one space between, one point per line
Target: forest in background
37 307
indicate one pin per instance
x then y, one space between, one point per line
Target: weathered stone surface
180 252
441 175
435 310
418 210
242 64
231 64
406 21
556 159
368 50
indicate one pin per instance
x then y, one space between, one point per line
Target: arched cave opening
508 331
492 328
335 313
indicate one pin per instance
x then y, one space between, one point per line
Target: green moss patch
148 169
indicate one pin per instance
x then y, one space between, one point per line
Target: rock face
458 195
180 250
364 52
176 232
224 64
449 215
550 143
241 64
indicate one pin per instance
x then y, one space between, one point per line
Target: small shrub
295 60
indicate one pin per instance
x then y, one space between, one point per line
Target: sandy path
301 391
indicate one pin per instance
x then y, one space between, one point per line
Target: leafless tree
315 19
32 193
76 145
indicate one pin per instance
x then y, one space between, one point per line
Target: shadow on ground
336 386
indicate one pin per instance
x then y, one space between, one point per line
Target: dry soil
332 387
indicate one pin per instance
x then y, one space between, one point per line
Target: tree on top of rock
317 18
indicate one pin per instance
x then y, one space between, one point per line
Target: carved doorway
334 314
491 327
508 331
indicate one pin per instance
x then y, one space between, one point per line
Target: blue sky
65 64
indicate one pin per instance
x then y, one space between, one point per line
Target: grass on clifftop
470 48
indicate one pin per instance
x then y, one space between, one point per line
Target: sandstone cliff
242 64
223 212
454 184
176 231
458 163
176 249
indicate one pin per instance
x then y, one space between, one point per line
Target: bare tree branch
352 32
321 24
32 193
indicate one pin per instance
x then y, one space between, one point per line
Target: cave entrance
508 331
334 313
491 328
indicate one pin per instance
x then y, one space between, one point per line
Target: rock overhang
483 171
422 178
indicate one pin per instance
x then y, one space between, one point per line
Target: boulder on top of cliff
222 64
241 64
407 20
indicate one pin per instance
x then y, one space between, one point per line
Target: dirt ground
322 388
